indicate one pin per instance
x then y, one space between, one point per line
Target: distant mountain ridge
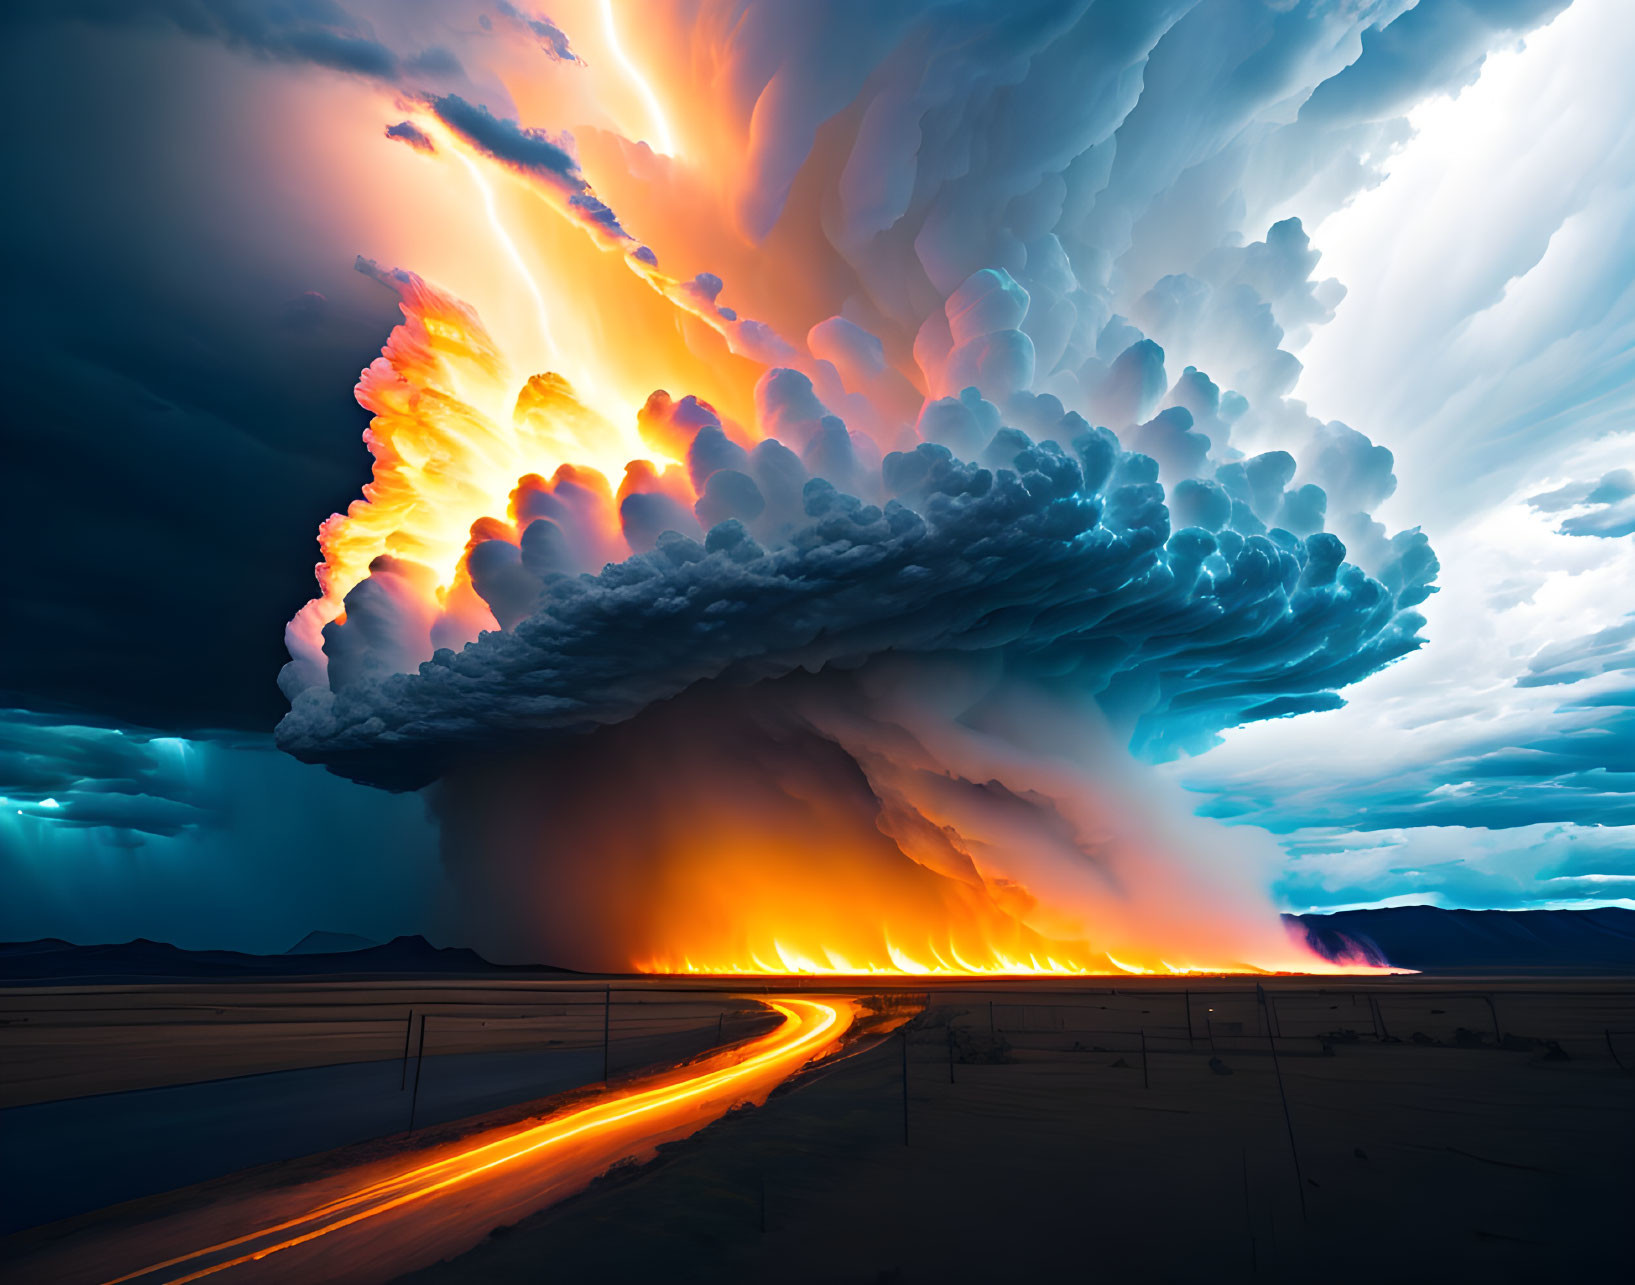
1432 939
319 942
52 960
1421 937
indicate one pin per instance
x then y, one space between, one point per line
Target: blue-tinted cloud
407 132
552 39
321 33
1177 633
112 832
1435 44
131 781
1577 767
1545 864
1605 508
535 152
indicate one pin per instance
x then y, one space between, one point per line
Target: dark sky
178 415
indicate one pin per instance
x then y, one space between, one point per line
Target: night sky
194 182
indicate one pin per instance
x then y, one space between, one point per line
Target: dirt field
113 1094
59 1042
1443 1157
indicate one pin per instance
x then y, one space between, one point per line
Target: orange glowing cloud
672 453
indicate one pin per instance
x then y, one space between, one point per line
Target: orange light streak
810 1027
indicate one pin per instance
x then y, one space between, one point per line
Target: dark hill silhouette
53 960
1422 937
324 943
1432 939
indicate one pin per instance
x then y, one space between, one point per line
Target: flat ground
108 1094
1442 1157
1435 1129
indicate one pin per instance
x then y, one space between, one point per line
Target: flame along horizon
471 451
951 964
442 440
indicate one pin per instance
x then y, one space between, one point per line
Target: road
89 1152
379 1220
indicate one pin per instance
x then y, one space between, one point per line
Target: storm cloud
1092 476
1178 633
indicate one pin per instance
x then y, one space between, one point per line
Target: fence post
607 1024
1379 1018
1145 1083
1186 998
408 1030
1249 1214
1288 1123
419 1058
904 1032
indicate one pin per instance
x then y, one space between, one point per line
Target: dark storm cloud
173 420
530 151
536 154
113 832
1177 634
317 32
76 775
552 39
407 132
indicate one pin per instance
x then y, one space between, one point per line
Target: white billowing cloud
1538 867
1485 340
1516 588
1490 313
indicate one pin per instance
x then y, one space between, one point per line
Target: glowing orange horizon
904 965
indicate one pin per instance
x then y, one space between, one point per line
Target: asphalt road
78 1154
376 1219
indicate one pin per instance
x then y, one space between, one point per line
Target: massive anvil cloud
1022 460
1062 558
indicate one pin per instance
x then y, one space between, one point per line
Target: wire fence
1587 1025
60 1053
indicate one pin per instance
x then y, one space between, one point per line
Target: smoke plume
864 677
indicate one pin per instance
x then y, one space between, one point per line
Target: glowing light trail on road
628 1116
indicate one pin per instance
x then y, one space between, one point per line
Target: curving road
380 1221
